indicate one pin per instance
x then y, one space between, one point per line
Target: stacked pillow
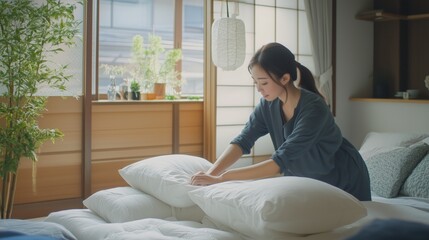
158 188
395 163
268 208
278 208
166 177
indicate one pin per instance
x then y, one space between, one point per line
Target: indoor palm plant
30 33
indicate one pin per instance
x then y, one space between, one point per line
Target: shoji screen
283 21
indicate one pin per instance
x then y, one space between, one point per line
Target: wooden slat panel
191 129
105 174
129 153
118 139
59 167
131 120
191 135
195 150
42 209
64 105
71 142
123 134
191 123
58 177
121 127
64 114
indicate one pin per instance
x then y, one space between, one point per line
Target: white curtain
319 16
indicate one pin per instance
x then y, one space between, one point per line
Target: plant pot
159 90
135 95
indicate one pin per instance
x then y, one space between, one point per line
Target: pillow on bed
377 142
123 204
388 170
166 177
278 207
417 184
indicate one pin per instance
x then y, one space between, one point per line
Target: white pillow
278 207
378 142
124 204
166 177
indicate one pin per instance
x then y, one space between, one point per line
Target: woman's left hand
203 179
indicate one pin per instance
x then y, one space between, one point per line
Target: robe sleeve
254 129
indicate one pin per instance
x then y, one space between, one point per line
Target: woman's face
268 88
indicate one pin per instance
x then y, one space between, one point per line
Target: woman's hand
203 179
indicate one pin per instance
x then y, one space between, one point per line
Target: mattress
85 224
159 203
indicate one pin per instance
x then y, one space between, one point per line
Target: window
120 20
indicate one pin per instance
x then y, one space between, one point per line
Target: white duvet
85 225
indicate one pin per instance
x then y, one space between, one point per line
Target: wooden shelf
380 15
390 100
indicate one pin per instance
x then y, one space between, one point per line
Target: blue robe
310 144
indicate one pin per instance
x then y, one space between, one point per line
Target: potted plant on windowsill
148 68
135 90
30 32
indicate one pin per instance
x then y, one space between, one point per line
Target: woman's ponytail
307 80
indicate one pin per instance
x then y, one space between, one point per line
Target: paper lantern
228 43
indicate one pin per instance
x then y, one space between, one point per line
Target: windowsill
108 102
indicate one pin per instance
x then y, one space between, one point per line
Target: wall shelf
381 15
390 100
401 52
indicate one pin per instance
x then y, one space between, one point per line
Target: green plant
135 86
30 33
112 70
146 60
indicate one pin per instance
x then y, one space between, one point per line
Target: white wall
354 61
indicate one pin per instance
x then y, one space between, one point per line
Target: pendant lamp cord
227 9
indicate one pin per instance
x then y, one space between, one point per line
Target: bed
159 203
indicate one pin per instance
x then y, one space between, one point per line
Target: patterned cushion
389 170
417 184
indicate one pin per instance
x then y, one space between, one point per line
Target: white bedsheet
86 225
419 203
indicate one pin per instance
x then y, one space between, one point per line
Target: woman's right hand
204 179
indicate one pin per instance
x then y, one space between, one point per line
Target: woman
306 139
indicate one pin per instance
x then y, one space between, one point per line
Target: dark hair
307 79
278 60
275 59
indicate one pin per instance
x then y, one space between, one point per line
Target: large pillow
166 177
377 142
123 204
388 170
278 207
417 184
